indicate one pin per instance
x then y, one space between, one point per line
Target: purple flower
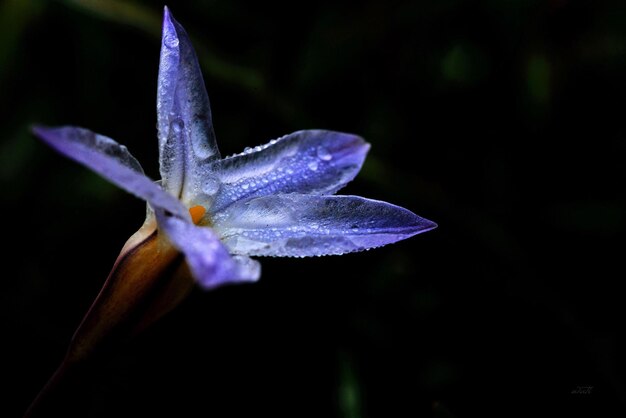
272 200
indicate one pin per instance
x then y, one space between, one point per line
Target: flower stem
148 280
66 387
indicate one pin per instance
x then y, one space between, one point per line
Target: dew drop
171 40
211 186
290 151
323 154
176 125
245 186
313 165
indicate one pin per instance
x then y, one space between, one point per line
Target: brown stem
148 280
66 387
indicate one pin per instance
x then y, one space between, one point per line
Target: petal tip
356 141
345 145
430 225
170 35
363 147
44 133
167 15
423 225
37 130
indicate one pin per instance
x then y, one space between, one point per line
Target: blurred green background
500 120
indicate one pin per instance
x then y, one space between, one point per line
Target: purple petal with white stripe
208 259
112 161
296 225
184 122
313 161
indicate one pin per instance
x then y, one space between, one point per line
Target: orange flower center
197 212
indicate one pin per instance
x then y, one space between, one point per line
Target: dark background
503 121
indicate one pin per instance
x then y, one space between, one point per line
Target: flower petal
112 161
312 161
296 225
208 259
185 127
248 270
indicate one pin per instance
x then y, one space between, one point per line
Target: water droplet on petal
244 186
313 165
171 40
323 154
211 186
177 125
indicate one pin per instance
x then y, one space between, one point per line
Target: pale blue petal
313 162
185 127
208 259
296 225
248 269
112 161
